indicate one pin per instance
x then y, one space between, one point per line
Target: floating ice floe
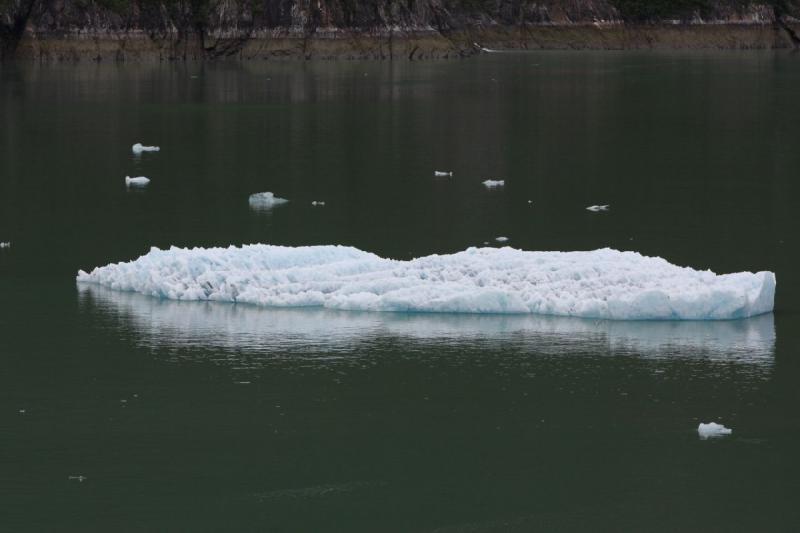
138 181
5 245
597 208
712 429
138 148
494 183
441 174
265 200
597 284
501 239
316 203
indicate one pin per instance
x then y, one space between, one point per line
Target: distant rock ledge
152 30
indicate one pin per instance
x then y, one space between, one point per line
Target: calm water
210 417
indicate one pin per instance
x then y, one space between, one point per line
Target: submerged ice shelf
596 284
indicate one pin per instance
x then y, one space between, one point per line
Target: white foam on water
138 148
712 429
602 283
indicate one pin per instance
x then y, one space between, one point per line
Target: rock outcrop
136 30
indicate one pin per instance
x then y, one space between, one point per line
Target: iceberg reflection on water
253 329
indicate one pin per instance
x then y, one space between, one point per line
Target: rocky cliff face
411 29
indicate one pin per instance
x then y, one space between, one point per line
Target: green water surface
216 417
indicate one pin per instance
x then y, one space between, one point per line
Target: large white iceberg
596 284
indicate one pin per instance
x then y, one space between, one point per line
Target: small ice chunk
138 181
711 430
501 239
78 478
491 184
138 148
597 208
530 201
5 245
265 200
442 174
317 203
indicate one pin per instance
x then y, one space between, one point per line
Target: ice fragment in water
138 148
602 283
597 208
501 239
712 429
265 200
138 181
441 174
491 184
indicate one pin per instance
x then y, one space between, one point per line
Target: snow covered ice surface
138 148
491 184
265 200
603 283
712 429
